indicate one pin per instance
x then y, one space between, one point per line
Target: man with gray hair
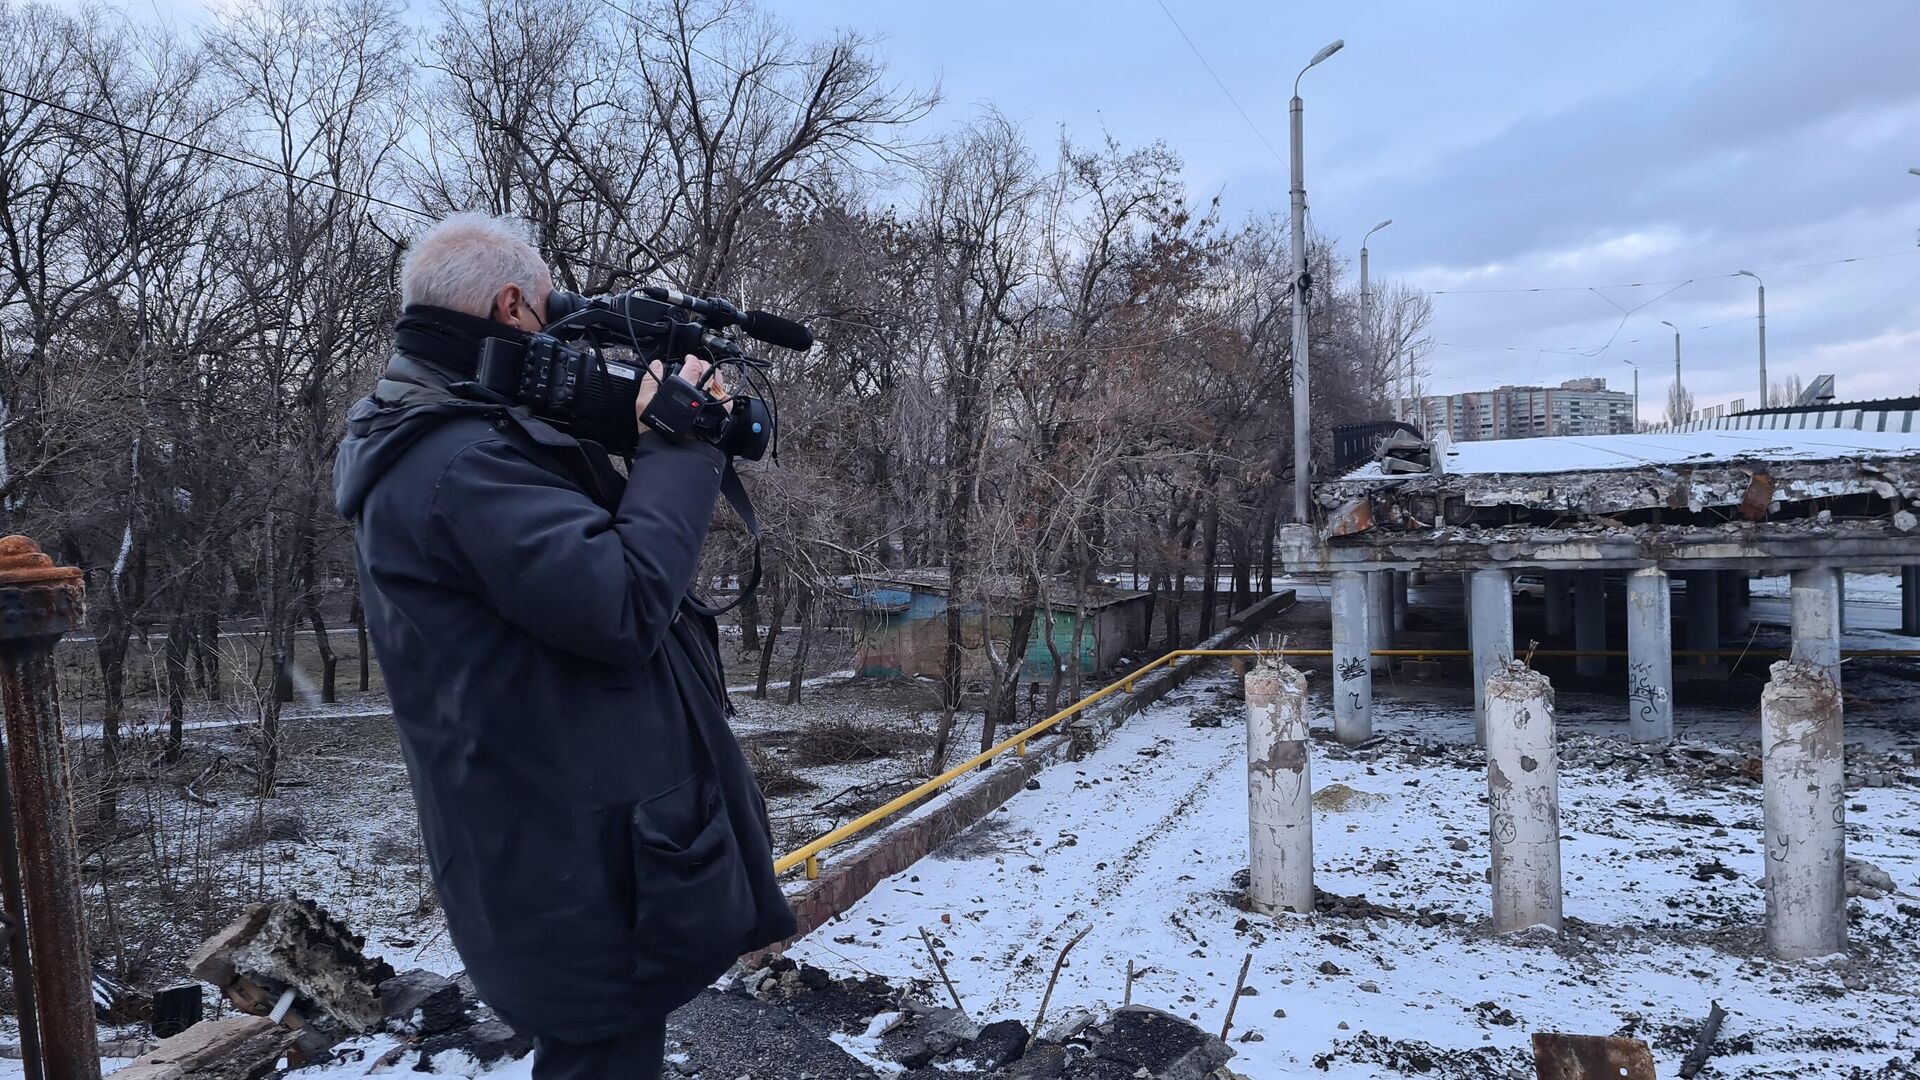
597 840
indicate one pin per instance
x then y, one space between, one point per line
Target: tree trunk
767 643
1266 552
799 674
359 617
329 663
176 669
111 649
1209 586
206 654
1002 710
750 624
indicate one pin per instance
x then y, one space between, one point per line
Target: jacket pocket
693 909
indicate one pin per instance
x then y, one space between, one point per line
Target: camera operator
598 842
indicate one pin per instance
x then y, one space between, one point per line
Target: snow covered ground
1662 856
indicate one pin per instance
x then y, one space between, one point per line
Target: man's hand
693 369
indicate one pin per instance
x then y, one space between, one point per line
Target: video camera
593 397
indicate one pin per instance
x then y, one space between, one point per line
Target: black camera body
592 397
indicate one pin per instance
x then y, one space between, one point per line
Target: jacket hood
379 433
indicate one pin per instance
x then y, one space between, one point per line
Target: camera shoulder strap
736 494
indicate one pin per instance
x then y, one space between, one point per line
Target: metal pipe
39 602
19 955
808 854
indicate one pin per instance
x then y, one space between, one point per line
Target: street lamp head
1631 364
1380 226
1746 273
1338 44
1915 172
1664 322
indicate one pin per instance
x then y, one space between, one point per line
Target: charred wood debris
299 991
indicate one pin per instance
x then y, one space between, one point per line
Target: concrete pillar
1491 596
1279 790
1649 656
1352 673
1910 600
1523 798
1559 603
1399 601
1816 619
1590 621
1380 617
1736 612
1703 614
1804 796
1841 577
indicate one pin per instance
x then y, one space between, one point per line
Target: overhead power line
236 159
1217 81
1672 281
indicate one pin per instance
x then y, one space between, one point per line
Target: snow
1602 453
1141 841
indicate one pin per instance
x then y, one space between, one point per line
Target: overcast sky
1518 145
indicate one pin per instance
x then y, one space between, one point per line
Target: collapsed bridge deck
1593 516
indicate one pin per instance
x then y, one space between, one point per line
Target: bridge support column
1380 617
1703 615
1590 621
1279 790
1736 610
1523 798
1559 598
1352 672
1491 592
1399 601
1910 600
1803 796
1816 619
1649 656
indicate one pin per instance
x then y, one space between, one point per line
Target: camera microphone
775 330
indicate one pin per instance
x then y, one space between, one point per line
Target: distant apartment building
1575 407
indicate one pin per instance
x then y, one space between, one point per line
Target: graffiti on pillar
1353 667
1353 699
1644 695
1504 828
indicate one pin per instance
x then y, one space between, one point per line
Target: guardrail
808 854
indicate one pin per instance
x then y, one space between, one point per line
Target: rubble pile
907 1037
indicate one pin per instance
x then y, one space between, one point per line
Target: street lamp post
1366 311
1678 386
1636 393
1301 285
1763 334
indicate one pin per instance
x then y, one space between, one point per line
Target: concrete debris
236 1048
1402 452
1867 881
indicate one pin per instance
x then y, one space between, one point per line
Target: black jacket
597 839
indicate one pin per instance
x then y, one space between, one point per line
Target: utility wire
1673 281
1257 133
252 162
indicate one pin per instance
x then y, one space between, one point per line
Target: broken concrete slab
234 1048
